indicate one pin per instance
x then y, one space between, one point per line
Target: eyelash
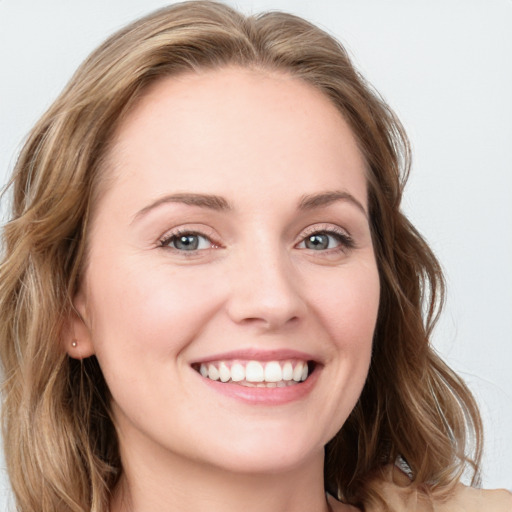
166 240
344 239
346 242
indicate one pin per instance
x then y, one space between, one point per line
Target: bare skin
234 228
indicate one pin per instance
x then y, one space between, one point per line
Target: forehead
211 129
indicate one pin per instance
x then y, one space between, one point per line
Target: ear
76 335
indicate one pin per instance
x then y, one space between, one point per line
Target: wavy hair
60 443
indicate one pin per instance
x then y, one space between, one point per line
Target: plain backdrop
445 66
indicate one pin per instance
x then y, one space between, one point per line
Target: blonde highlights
60 443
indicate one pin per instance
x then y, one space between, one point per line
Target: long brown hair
60 444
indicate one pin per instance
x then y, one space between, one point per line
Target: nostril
270 301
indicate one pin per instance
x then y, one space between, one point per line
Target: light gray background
444 66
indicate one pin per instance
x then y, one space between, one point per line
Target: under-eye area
261 374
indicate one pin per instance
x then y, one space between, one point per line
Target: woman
210 297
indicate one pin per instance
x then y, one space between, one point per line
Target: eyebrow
218 203
310 202
208 201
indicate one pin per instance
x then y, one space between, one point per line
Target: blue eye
324 240
320 242
187 242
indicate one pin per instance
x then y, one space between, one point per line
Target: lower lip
265 396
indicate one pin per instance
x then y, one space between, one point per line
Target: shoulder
401 497
467 499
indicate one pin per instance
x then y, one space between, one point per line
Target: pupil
187 242
317 242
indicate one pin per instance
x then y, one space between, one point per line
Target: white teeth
297 372
224 372
237 372
273 372
288 371
213 373
254 372
281 384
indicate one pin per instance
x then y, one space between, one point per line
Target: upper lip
253 354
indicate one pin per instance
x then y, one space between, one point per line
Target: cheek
142 318
348 303
136 307
349 310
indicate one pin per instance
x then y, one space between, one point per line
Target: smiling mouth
268 374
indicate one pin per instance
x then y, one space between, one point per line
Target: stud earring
74 343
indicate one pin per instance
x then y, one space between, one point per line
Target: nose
264 291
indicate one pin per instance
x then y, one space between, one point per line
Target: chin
268 452
268 463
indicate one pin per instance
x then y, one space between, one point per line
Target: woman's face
230 251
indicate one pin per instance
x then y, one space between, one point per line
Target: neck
188 486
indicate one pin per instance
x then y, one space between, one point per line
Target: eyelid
323 228
176 232
345 239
